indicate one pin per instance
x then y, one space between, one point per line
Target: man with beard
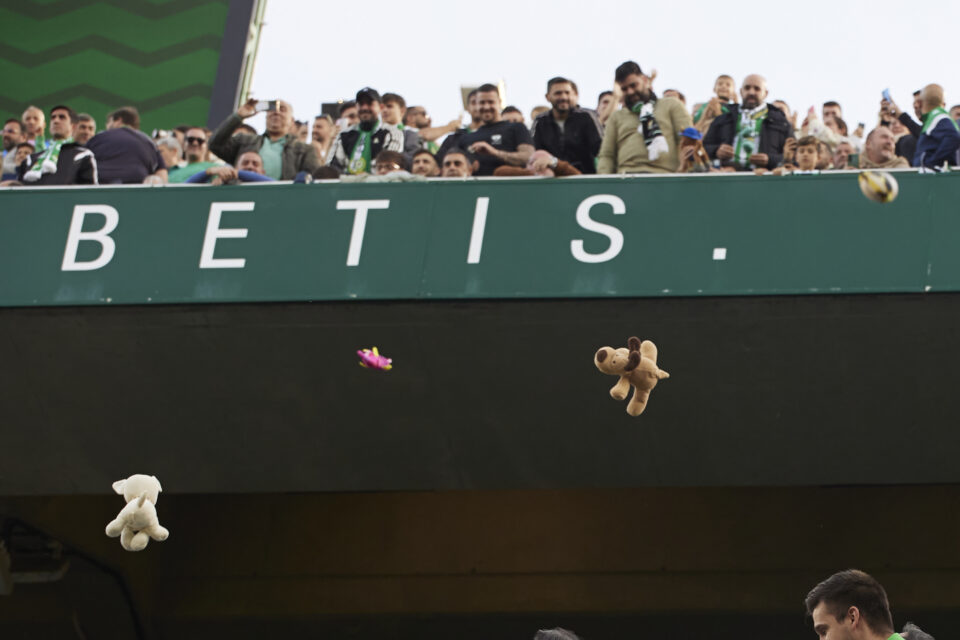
425 164
86 128
750 136
496 142
879 151
568 132
284 156
356 147
644 136
416 119
12 136
63 161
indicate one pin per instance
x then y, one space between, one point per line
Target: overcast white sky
810 51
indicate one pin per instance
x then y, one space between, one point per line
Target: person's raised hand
724 152
789 148
889 106
248 108
686 152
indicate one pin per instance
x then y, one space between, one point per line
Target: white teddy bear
137 522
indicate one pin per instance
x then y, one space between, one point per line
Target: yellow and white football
878 186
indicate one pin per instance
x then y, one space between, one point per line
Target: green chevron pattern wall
161 56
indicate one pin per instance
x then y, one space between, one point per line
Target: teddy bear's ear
118 486
633 344
632 361
159 488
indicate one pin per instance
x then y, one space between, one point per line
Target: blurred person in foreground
283 154
644 137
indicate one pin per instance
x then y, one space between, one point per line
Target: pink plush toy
373 360
637 366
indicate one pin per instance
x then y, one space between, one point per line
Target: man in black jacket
355 148
566 131
64 161
751 135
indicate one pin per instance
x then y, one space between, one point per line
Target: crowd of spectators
379 138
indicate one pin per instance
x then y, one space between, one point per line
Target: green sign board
591 237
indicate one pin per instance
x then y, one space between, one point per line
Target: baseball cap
367 94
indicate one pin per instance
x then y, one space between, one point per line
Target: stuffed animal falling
637 366
137 522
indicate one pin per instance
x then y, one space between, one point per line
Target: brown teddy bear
636 365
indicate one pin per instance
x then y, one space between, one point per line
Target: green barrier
598 237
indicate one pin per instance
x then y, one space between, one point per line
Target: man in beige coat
644 136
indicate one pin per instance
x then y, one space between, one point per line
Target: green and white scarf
649 128
360 160
46 162
747 140
932 119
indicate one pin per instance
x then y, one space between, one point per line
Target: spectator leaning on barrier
195 152
496 142
940 136
879 151
425 164
566 131
390 162
12 136
64 161
86 128
725 94
124 154
283 155
458 163
34 127
644 136
392 110
354 149
752 135
542 164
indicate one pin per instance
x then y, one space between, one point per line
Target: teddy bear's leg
139 541
621 389
157 532
115 528
649 350
126 537
638 402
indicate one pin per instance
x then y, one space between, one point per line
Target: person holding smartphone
284 156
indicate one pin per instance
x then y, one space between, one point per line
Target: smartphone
268 105
886 95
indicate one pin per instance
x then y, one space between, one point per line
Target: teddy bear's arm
115 527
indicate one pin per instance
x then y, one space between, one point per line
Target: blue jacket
940 143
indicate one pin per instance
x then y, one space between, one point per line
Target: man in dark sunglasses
195 152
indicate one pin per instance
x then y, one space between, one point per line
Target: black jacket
578 143
386 137
773 134
76 165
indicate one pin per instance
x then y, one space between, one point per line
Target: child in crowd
807 155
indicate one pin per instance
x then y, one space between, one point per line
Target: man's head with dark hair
24 149
425 164
488 103
242 128
12 133
562 95
634 85
326 172
850 605
124 117
458 163
86 128
416 116
511 114
394 98
388 162
918 103
955 112
368 106
807 153
831 111
348 112
62 119
250 161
